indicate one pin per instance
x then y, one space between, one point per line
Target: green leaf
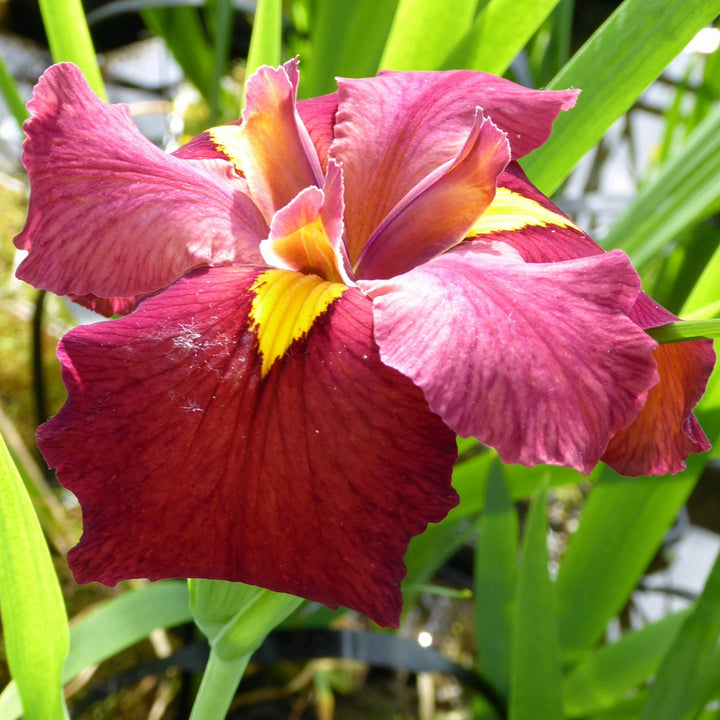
535 686
621 527
34 621
420 31
684 192
613 68
113 627
686 330
266 36
336 50
704 295
606 676
676 692
69 39
10 93
223 25
183 32
494 582
492 42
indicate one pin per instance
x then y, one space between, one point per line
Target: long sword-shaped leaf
676 691
266 36
535 685
494 582
613 68
497 34
113 627
69 38
34 622
621 528
608 675
347 40
685 190
420 31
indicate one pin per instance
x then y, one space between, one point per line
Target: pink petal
187 463
393 130
438 212
538 361
274 148
666 431
110 214
318 117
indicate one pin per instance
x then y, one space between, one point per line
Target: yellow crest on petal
226 139
285 306
512 211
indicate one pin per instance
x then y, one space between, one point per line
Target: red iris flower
316 300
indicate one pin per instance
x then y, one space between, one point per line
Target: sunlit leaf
421 31
69 38
492 42
35 627
613 68
113 627
684 191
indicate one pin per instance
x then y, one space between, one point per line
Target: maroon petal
188 462
111 215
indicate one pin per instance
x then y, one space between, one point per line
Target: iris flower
315 300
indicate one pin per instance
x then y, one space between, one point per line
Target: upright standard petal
393 130
271 147
438 212
110 214
540 362
189 461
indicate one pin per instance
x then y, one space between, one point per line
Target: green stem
217 689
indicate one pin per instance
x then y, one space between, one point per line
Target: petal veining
393 130
539 361
439 211
271 147
188 463
110 214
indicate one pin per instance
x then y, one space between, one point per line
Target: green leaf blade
536 690
419 35
677 691
69 39
621 513
491 43
266 36
613 68
35 624
494 582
